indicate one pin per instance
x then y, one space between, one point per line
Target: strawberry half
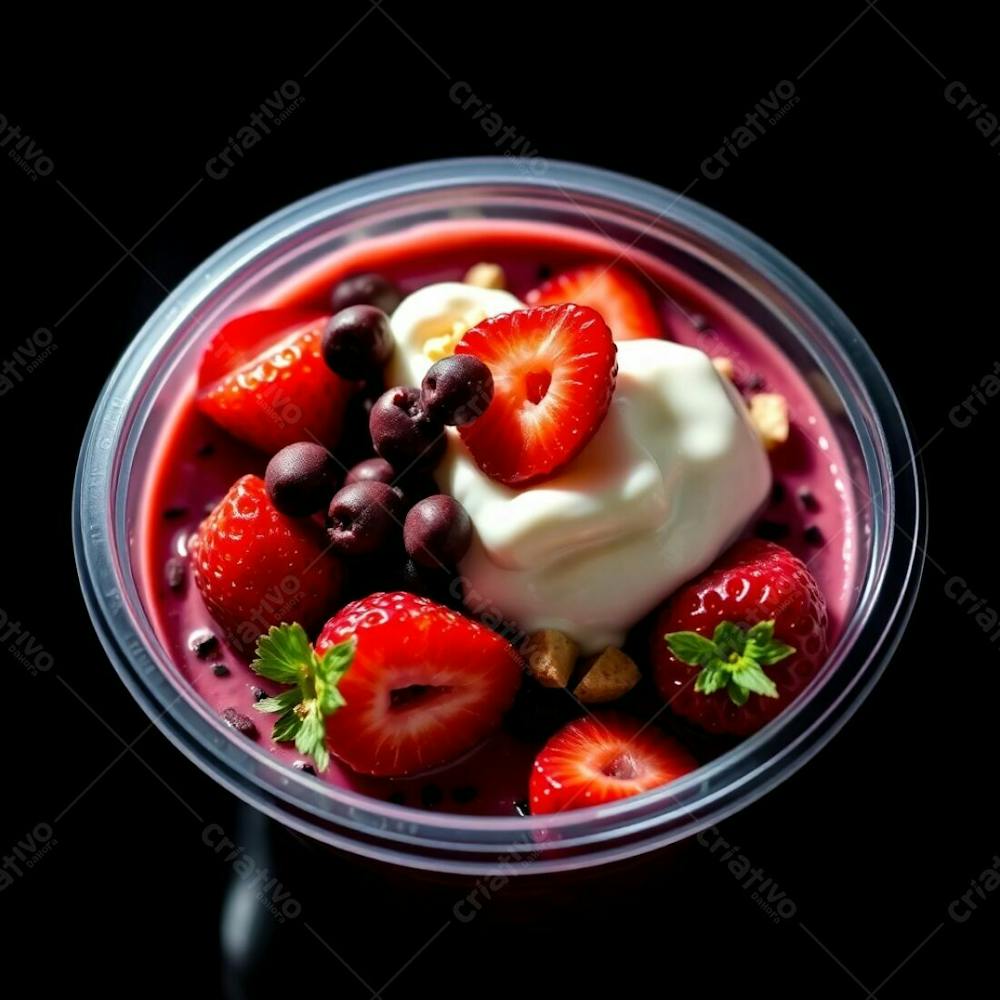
263 379
613 292
256 567
732 648
404 684
554 374
599 759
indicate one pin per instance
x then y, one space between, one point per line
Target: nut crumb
486 275
607 676
551 657
725 367
769 415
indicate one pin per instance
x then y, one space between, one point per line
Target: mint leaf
712 679
751 678
733 659
761 633
737 695
763 647
729 639
286 656
689 647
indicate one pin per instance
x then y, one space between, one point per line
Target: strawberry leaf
689 647
286 656
281 653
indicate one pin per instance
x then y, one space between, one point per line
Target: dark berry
220 670
175 572
402 432
367 290
464 794
239 722
203 643
305 766
457 389
363 517
431 796
813 535
777 492
258 693
175 513
357 341
437 532
301 478
371 470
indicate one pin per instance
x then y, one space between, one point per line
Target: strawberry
396 684
256 567
613 292
554 373
263 379
598 759
732 648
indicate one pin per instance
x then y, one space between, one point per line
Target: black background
876 185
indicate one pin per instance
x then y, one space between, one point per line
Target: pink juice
811 512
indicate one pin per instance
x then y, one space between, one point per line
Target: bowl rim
94 532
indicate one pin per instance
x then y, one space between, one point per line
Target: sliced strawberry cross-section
263 379
612 291
599 759
554 373
421 686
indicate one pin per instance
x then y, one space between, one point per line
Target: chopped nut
607 676
551 657
769 415
725 367
486 275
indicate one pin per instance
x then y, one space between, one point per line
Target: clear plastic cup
800 319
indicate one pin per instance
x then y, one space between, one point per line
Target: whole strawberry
732 648
256 567
396 684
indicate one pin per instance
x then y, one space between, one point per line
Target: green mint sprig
733 659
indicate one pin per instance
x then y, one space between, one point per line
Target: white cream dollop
672 476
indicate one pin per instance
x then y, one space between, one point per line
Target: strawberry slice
400 684
263 379
554 373
256 567
599 759
613 292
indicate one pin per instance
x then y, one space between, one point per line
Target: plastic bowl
803 322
